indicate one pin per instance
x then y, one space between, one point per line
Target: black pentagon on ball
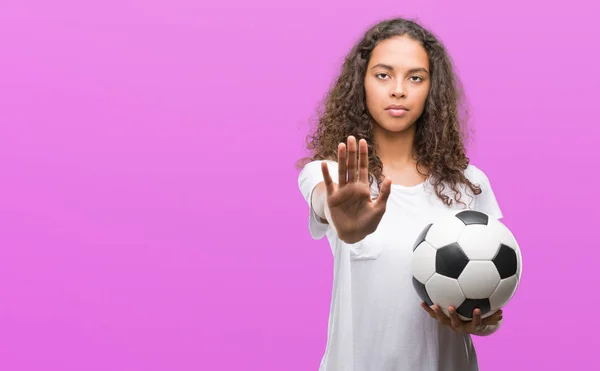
421 237
469 305
505 261
450 260
472 217
421 291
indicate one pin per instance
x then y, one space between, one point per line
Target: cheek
372 97
421 97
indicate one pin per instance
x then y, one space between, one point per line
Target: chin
396 126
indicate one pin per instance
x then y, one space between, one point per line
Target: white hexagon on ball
444 232
503 234
423 263
479 279
444 292
504 292
479 242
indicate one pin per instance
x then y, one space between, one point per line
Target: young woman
387 159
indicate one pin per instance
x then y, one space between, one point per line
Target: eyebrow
391 68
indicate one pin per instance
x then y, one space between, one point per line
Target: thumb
384 194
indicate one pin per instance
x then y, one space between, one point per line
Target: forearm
319 202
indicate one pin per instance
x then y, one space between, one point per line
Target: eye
419 78
380 74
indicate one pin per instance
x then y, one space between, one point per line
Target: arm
312 186
319 202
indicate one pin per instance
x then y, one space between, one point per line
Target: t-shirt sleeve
486 201
309 177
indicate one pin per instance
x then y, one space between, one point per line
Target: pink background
150 217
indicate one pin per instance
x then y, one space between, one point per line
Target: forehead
401 52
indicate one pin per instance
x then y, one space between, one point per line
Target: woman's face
397 75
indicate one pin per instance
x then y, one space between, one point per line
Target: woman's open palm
352 211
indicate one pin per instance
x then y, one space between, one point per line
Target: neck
395 149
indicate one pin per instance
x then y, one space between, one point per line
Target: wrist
486 330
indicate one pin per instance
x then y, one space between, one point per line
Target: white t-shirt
376 322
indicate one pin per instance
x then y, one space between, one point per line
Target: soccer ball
467 260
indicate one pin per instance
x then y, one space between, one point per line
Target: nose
398 90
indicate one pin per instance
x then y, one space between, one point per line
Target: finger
428 310
476 321
440 315
352 162
327 178
342 164
384 194
456 322
493 319
363 161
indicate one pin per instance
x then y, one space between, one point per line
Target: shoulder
479 179
317 163
313 168
311 174
486 200
476 175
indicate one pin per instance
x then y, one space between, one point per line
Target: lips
397 107
397 110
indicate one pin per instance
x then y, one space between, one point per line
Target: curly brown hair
440 130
